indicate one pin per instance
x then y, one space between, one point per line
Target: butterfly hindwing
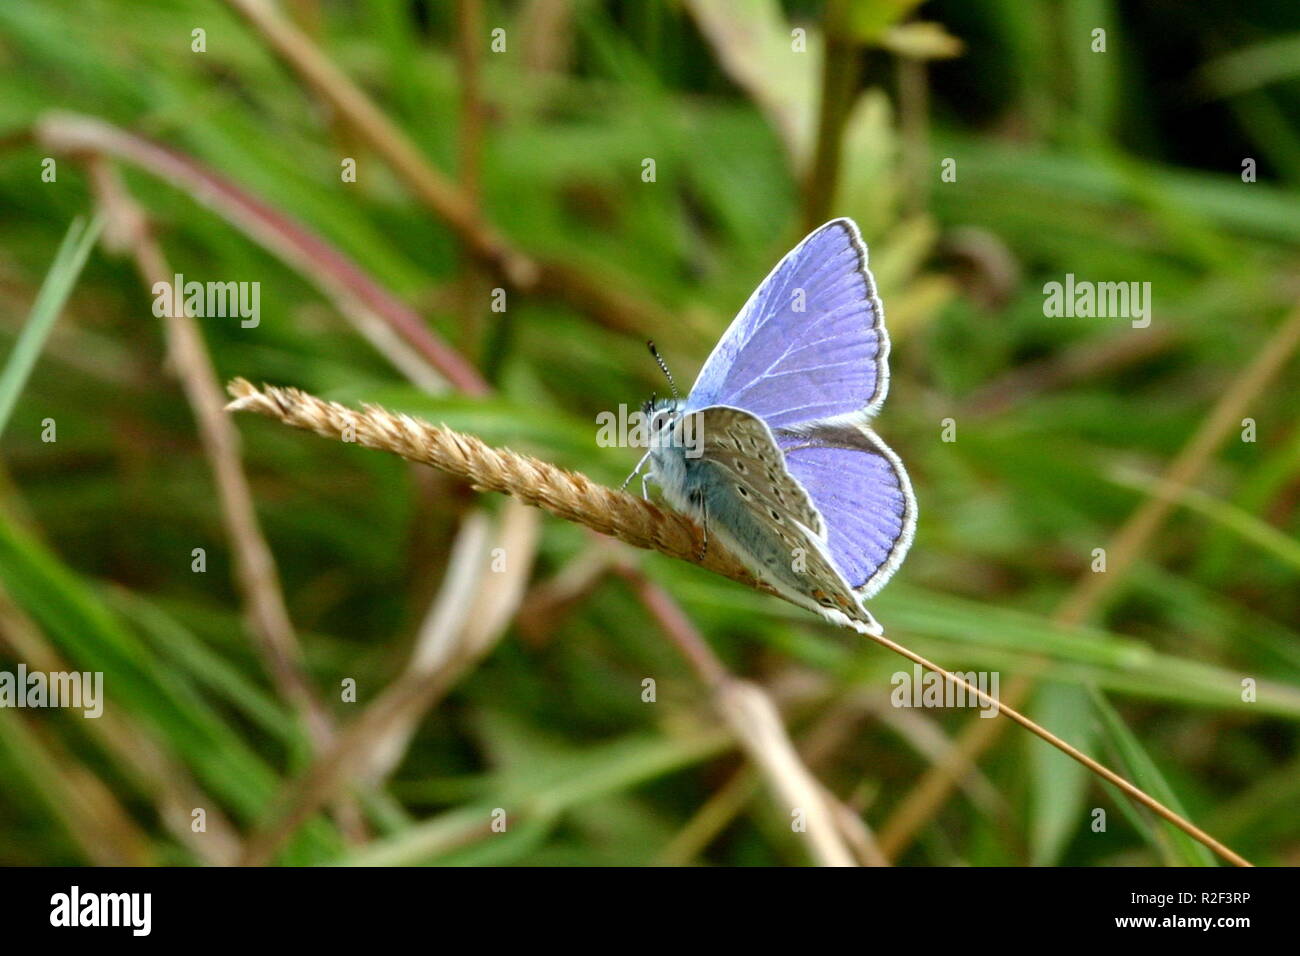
860 488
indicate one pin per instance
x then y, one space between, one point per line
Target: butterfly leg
636 471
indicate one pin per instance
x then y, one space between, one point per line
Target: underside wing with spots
740 489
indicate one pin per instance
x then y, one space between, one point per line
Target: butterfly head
661 415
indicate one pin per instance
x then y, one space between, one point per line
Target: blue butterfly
772 452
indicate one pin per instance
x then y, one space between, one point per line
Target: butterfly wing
752 502
810 344
860 488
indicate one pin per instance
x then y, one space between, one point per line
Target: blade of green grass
1143 770
54 292
1254 66
1242 523
1059 783
550 789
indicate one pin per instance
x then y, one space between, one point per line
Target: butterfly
772 451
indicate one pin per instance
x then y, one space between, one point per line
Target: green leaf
54 292
1059 782
1180 848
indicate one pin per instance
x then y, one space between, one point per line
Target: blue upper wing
862 492
810 343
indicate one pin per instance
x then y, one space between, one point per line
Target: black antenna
664 365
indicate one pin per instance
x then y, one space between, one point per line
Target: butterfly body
771 452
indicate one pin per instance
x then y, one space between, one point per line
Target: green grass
67 265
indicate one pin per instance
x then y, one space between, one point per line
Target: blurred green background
524 688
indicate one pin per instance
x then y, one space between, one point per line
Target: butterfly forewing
742 445
810 344
784 535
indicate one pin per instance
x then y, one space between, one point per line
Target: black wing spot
744 492
740 466
775 517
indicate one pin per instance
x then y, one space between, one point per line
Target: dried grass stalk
565 494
